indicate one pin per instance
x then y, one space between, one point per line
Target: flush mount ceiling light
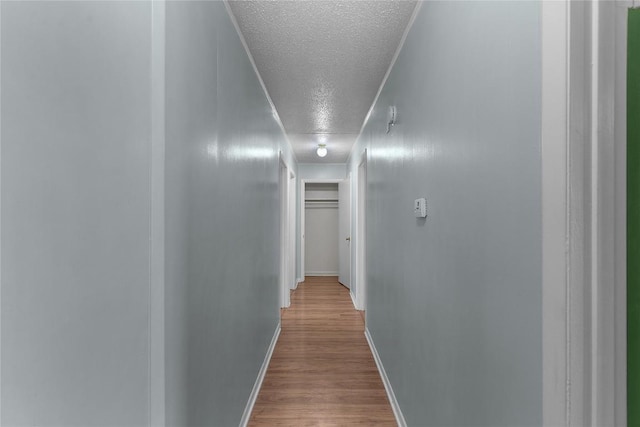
322 150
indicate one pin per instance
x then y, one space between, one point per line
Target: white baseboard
298 281
385 380
321 273
353 300
256 387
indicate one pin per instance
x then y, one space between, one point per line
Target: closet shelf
320 203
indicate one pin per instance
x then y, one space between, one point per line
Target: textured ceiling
322 63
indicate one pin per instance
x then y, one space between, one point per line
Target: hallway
322 371
154 159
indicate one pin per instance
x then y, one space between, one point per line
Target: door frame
361 231
348 186
583 141
291 202
622 375
302 196
285 238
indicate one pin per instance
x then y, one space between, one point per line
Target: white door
344 232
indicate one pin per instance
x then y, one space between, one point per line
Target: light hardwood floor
322 372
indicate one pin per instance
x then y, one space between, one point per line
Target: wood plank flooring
322 372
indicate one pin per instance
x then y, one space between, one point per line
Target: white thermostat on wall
420 207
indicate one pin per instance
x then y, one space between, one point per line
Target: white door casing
284 232
291 258
344 230
361 234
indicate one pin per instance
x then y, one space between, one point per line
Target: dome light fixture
322 150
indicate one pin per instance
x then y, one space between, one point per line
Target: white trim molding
353 299
321 273
616 258
0 219
286 243
302 206
607 203
391 65
583 144
246 415
361 227
285 135
385 380
321 204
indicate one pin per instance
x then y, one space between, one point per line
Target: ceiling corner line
234 21
391 65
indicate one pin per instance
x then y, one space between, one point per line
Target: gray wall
322 171
454 301
321 241
222 217
75 223
83 177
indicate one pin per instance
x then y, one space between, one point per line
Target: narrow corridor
165 166
322 371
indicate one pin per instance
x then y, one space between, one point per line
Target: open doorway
326 229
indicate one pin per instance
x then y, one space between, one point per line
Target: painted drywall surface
321 191
620 252
222 217
454 301
75 213
321 242
313 171
633 213
319 171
